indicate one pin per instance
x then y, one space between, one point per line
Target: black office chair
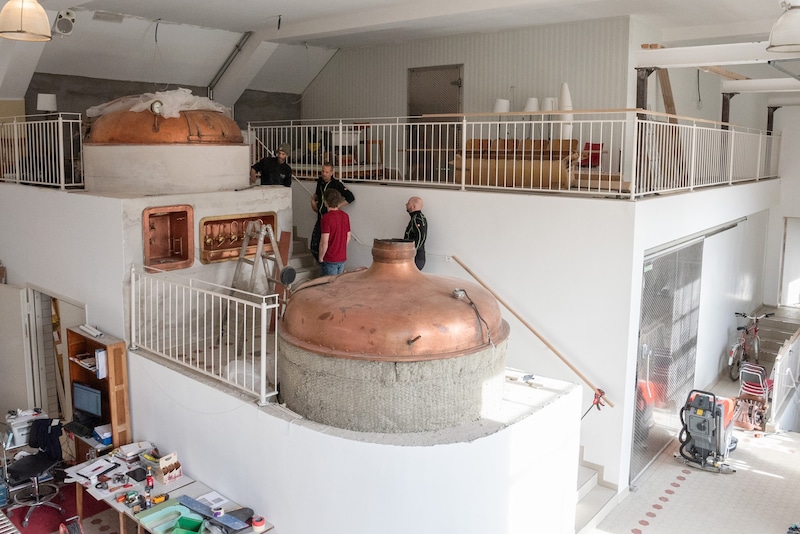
45 434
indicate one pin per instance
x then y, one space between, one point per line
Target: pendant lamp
24 20
785 34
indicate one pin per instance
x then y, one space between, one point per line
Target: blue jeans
335 267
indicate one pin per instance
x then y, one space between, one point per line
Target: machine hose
685 437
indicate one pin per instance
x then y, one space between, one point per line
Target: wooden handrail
533 330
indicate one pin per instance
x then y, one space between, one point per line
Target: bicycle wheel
756 348
735 362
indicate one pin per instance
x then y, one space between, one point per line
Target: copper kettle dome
392 311
144 127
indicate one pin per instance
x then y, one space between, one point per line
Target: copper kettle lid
144 127
392 311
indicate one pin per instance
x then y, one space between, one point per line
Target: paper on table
212 499
94 469
132 449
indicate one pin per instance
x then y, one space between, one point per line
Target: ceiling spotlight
785 34
24 20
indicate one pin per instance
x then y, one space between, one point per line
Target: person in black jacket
273 171
417 229
325 182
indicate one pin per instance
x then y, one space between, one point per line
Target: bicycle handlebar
753 317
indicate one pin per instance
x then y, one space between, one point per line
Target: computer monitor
86 399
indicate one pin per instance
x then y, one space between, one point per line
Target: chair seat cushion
31 466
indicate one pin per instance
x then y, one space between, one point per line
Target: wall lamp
785 34
24 20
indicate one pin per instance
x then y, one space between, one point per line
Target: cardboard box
102 434
169 468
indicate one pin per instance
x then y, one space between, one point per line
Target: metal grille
667 349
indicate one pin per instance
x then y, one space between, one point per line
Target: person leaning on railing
273 171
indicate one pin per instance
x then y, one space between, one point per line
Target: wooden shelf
114 387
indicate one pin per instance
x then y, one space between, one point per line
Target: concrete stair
302 260
595 501
774 331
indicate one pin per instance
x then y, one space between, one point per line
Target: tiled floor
763 496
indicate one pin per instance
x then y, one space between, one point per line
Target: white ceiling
188 41
347 23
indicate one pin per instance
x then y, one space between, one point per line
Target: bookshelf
113 387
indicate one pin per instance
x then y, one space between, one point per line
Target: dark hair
333 198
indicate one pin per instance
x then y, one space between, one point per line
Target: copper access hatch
168 236
221 236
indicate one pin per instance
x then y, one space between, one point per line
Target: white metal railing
215 330
42 149
785 375
618 153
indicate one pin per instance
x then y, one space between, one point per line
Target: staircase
595 501
774 331
302 261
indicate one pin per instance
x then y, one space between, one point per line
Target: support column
726 108
642 73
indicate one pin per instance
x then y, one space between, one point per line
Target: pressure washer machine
706 437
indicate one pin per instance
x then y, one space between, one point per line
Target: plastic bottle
149 482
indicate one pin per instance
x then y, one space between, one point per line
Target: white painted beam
773 85
698 56
782 101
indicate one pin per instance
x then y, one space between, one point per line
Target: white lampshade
532 104
46 102
549 104
501 105
24 20
785 34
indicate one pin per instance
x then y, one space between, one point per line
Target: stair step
587 479
593 508
303 261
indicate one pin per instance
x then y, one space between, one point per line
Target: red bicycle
747 344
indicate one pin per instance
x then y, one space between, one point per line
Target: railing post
337 150
731 143
133 307
262 394
60 149
17 157
758 159
463 153
693 152
634 144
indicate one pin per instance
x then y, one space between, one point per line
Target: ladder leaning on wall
266 266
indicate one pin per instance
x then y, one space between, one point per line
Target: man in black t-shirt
324 182
417 229
273 171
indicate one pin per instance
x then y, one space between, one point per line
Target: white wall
372 81
305 477
565 264
70 243
786 121
571 267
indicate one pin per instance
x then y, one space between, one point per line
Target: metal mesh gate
667 349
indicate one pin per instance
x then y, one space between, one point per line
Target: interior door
433 91
16 367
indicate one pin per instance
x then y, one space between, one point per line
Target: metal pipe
235 52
